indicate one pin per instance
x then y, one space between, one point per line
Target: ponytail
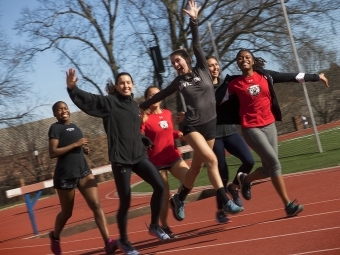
259 63
110 87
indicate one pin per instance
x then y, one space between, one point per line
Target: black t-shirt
72 164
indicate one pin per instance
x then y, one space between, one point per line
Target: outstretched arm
298 77
169 90
94 105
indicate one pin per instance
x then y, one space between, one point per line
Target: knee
95 205
276 171
249 163
66 214
124 204
212 162
158 187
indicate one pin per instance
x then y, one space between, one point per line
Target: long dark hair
147 90
184 54
110 86
258 61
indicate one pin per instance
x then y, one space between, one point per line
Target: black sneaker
110 247
221 217
234 194
55 244
244 185
292 209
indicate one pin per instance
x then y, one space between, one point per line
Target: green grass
296 155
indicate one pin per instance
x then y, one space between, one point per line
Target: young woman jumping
200 121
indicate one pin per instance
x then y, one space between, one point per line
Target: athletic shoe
177 207
221 217
234 194
55 244
232 208
110 247
168 231
126 248
155 230
245 186
292 209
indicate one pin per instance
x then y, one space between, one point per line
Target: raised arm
94 105
198 52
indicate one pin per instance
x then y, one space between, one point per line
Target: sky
48 78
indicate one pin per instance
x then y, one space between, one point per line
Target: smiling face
214 68
62 113
179 64
245 61
124 85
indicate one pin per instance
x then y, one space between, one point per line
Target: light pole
299 69
37 166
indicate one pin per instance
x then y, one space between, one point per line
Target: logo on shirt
190 80
163 124
254 90
69 129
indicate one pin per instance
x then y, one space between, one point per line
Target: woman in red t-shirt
258 111
157 125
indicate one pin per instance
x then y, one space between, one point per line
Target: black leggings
122 175
237 147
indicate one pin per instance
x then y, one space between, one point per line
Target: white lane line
318 251
248 240
187 224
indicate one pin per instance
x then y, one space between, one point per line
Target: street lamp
37 167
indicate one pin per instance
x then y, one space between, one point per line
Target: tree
29 150
14 89
104 37
82 32
326 102
256 25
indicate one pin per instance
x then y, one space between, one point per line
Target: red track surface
261 229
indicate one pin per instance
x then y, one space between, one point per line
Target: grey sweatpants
264 142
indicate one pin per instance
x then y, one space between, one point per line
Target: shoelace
292 203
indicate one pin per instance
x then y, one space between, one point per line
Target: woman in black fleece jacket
127 153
